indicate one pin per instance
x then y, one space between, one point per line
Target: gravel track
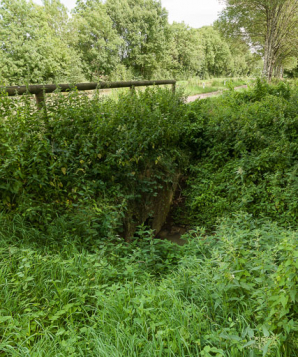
192 98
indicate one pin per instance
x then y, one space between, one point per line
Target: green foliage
31 51
186 51
69 175
245 155
89 156
270 27
218 295
57 17
143 26
244 62
217 56
95 39
111 40
293 73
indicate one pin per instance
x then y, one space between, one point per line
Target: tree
143 26
57 17
30 51
93 36
245 61
218 60
292 72
187 51
270 26
289 65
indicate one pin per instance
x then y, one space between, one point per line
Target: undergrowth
244 156
229 294
88 159
69 174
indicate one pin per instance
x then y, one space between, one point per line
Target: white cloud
196 13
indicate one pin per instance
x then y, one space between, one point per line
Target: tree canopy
132 39
143 26
187 51
94 38
31 51
270 26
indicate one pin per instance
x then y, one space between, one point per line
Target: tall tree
57 17
268 25
218 60
29 49
93 36
245 61
143 26
187 51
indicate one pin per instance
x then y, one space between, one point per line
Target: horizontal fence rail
41 90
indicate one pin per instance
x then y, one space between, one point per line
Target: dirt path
192 98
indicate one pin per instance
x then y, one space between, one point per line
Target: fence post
174 87
132 89
40 99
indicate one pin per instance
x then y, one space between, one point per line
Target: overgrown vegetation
90 159
228 294
245 155
70 286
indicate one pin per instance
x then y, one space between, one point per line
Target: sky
196 13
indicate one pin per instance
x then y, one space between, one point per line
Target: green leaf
5 318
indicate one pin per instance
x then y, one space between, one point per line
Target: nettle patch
90 160
245 150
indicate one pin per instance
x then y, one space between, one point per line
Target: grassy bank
71 175
228 294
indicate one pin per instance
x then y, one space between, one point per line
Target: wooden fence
40 90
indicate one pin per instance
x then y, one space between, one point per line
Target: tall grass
210 297
198 86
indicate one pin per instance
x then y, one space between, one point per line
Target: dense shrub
87 158
245 155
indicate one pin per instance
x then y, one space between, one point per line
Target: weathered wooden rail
40 90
